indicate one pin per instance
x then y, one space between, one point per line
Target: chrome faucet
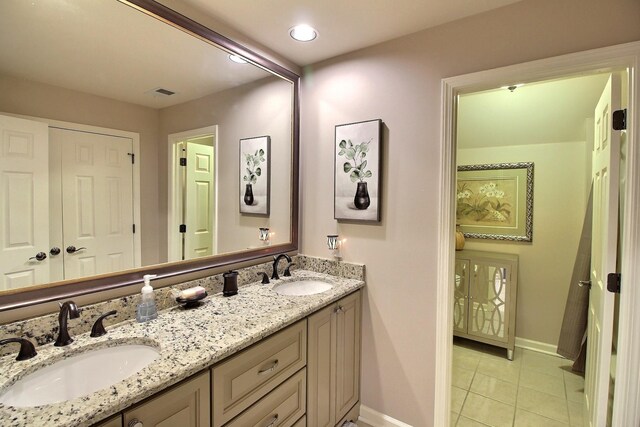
68 310
276 260
27 350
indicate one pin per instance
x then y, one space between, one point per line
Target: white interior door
24 165
97 202
605 175
199 211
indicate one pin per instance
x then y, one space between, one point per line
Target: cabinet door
321 365
489 292
187 405
347 354
460 295
111 422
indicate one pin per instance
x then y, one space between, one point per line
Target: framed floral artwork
357 155
496 201
255 159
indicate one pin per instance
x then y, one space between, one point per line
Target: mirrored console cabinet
484 304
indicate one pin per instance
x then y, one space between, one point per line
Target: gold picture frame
495 201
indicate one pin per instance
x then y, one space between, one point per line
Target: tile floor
533 390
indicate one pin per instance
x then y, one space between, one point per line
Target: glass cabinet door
460 292
488 293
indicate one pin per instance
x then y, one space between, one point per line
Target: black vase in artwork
248 195
362 201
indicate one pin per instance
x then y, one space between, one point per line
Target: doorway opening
513 292
193 169
609 60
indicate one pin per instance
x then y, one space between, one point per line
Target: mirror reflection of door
24 235
94 201
193 222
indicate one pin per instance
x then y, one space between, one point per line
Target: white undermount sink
302 287
79 375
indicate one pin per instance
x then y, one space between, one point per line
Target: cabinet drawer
185 405
283 407
242 380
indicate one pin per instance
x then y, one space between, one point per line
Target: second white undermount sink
79 375
302 287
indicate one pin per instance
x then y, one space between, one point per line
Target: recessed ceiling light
303 33
237 59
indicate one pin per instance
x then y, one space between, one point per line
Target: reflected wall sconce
265 236
334 245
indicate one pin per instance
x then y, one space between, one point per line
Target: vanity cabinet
307 374
185 405
484 303
333 361
242 380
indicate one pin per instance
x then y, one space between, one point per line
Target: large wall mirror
134 140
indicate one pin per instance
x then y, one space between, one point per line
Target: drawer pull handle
273 366
135 423
339 310
273 420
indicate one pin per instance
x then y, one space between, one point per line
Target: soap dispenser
147 308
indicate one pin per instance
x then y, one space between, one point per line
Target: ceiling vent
159 91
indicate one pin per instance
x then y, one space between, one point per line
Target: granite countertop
188 340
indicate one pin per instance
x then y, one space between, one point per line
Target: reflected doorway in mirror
192 198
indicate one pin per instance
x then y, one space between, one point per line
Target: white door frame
626 410
175 203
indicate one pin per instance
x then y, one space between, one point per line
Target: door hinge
183 228
613 282
619 119
134 229
183 161
133 158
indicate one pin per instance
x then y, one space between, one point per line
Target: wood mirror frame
71 288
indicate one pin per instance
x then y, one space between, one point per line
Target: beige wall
24 97
546 264
255 109
399 82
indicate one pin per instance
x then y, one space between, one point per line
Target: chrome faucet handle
27 350
98 329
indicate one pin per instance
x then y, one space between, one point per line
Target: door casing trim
626 408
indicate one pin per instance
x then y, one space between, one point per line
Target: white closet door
605 174
199 237
97 202
24 202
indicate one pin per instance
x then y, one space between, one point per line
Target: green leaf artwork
356 166
252 162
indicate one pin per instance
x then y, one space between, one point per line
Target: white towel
349 424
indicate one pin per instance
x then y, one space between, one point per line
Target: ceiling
109 49
548 112
343 25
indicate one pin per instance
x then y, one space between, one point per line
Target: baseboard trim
377 419
541 347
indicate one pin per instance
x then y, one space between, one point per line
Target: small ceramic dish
191 302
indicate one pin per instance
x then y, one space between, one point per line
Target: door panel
488 293
605 175
24 165
97 202
460 292
199 238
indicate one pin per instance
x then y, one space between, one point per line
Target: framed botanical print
255 161
495 201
